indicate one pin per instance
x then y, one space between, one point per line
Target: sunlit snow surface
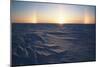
35 44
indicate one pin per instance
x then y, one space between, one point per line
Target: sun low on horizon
35 12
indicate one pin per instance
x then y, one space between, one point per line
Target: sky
37 12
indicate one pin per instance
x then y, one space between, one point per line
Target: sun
61 20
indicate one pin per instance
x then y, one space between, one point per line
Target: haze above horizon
37 12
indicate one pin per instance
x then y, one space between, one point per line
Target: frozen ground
50 43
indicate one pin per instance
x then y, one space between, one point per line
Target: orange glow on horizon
52 13
58 17
88 18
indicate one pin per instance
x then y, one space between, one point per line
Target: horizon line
49 23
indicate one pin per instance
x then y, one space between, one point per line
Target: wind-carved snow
46 44
52 46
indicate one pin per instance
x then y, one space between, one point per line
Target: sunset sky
36 12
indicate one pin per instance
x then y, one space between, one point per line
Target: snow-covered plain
49 43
